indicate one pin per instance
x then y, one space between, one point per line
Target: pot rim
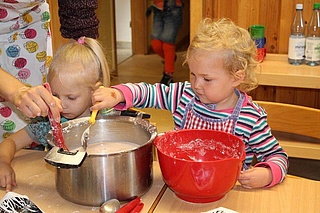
146 124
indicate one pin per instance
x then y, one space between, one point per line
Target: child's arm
140 95
272 160
8 148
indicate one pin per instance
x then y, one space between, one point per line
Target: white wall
123 18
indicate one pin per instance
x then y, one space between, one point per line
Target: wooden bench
298 128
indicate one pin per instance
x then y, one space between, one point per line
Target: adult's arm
32 101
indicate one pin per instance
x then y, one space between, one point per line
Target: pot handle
134 113
65 159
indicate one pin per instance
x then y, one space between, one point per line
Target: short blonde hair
90 54
235 44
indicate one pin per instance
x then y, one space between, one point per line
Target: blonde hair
89 53
235 45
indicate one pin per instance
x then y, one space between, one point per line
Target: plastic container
297 39
313 38
198 165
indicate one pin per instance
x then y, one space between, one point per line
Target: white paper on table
220 210
14 202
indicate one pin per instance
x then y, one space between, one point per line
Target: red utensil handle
56 126
138 208
127 208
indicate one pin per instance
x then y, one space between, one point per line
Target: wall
123 18
276 16
183 36
57 39
105 14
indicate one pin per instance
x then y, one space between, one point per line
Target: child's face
76 99
210 80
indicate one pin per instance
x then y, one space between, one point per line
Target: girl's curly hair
235 45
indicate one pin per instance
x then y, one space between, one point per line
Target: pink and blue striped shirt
251 126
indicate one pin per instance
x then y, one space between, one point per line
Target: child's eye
71 98
207 79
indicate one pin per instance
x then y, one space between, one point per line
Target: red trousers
167 52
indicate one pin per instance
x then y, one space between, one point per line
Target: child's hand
7 176
106 98
256 177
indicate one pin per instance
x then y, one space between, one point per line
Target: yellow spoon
94 113
92 120
93 116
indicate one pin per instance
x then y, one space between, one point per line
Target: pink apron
193 120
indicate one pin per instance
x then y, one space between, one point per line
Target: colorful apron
25 52
193 120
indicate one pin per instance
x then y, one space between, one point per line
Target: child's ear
239 77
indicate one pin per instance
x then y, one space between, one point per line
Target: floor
124 51
123 54
147 68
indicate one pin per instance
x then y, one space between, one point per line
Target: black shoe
166 79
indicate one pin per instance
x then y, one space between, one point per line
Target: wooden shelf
276 71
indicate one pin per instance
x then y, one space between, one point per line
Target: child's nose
64 106
196 84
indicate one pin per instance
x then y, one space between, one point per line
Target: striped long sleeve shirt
251 127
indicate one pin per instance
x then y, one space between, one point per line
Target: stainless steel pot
100 177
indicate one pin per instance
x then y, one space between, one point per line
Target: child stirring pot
221 58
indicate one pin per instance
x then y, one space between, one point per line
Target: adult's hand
32 101
36 101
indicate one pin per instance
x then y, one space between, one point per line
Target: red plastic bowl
200 166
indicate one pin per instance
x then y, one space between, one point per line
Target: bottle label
296 47
313 49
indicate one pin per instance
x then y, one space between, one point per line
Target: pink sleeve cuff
276 172
127 96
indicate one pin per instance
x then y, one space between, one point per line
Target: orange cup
261 54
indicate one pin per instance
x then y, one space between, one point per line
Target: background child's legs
172 19
166 24
169 57
157 47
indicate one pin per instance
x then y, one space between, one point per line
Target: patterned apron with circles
25 52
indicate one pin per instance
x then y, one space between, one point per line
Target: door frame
139 27
107 32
